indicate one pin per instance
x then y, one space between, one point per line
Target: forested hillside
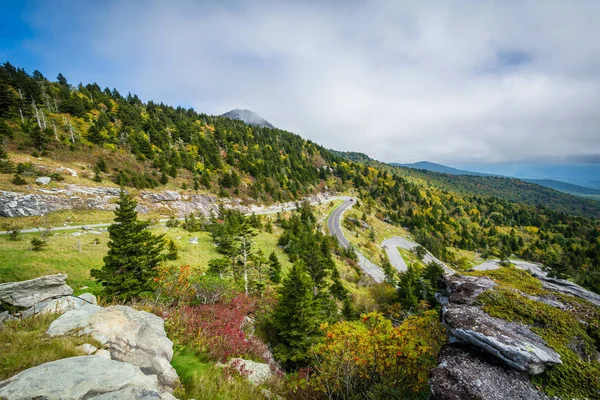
493 216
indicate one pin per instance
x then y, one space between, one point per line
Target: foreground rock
31 292
256 373
465 374
86 377
60 305
132 336
514 344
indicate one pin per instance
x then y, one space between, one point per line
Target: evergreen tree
295 318
133 254
409 288
274 268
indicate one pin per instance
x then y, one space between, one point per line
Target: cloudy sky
447 81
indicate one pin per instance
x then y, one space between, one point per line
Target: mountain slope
565 187
249 117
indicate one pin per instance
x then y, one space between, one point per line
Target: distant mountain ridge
549 183
444 169
249 117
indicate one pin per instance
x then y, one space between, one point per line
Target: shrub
37 244
18 180
370 357
14 231
217 330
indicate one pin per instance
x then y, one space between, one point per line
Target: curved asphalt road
335 228
391 249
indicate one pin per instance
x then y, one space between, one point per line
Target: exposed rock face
256 373
488 358
79 378
562 286
31 292
60 305
132 336
465 374
14 204
515 344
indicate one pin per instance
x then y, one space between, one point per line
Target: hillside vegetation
153 145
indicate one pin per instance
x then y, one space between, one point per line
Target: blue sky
446 81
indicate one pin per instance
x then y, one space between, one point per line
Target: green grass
203 380
18 262
24 344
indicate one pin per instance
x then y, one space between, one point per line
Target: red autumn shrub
218 329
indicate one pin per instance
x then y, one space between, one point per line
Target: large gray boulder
86 377
515 344
512 343
256 373
464 374
132 336
33 291
59 305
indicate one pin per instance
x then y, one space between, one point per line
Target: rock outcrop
513 343
28 293
131 336
86 377
463 374
59 305
566 287
487 358
44 201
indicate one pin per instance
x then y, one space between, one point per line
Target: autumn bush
218 330
373 358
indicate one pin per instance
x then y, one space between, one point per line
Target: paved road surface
524 265
391 249
335 228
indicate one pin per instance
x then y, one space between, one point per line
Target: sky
402 81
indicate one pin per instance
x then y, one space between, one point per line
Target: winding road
334 224
335 228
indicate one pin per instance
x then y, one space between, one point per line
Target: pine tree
133 254
274 268
295 318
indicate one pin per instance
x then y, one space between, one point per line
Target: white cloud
400 81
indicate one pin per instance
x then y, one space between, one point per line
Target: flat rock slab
513 343
566 287
79 378
60 305
467 375
132 336
33 291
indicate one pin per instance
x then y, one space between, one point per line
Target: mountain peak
249 117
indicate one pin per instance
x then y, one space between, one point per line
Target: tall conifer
133 254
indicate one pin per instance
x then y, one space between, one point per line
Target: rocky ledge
133 363
496 349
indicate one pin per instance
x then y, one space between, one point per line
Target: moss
565 331
514 278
